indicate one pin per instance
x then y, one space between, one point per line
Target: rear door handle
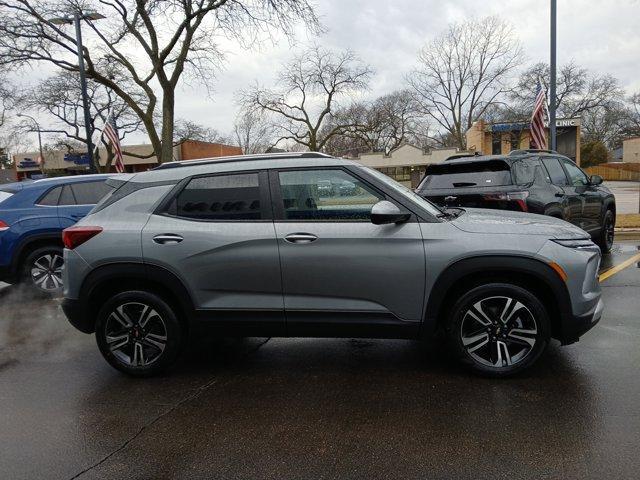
300 238
167 238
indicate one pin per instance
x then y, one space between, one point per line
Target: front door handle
300 238
167 238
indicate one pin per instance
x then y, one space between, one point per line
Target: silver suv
250 246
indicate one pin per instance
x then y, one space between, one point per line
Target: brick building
58 162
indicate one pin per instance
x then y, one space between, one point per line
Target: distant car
263 255
348 188
325 188
32 217
542 182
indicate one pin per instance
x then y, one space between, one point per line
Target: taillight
75 236
3 226
518 197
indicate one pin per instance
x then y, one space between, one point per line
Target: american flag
538 135
111 133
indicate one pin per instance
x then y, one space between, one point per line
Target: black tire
41 270
606 236
142 340
500 342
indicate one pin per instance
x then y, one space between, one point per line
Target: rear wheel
42 270
499 329
606 236
138 333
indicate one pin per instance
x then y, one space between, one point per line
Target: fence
621 172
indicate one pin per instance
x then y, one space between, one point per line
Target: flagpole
552 80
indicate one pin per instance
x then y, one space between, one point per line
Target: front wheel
606 236
499 329
138 333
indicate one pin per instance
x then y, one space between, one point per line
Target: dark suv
535 181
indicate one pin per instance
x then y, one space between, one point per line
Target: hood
477 220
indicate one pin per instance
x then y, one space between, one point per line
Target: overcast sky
603 36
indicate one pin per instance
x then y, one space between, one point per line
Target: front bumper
77 314
581 324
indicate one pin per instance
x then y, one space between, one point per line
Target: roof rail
530 150
462 155
241 158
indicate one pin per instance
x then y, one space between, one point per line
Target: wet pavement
319 408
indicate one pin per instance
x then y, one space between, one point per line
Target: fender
132 273
488 265
54 236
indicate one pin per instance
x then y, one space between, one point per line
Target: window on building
496 143
326 195
220 197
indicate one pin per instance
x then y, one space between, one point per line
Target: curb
627 233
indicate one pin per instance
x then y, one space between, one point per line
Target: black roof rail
241 158
462 155
529 150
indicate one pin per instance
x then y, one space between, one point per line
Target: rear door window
89 193
50 199
556 173
529 171
472 174
221 198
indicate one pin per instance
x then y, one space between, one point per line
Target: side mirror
385 212
595 180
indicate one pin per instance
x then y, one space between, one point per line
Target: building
631 150
407 163
501 138
58 162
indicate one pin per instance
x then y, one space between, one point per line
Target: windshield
405 192
461 175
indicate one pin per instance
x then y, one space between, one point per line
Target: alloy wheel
46 272
135 334
498 331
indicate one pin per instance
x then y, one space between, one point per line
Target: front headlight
576 243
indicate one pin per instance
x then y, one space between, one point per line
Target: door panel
334 259
225 265
353 267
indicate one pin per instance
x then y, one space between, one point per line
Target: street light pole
79 15
85 97
552 80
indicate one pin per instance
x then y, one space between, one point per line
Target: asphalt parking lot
316 408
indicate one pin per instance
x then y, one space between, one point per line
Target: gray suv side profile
251 246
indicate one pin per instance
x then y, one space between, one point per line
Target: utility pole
552 80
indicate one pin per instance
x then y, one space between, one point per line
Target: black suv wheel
138 333
605 239
499 329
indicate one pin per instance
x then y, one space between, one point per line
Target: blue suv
32 217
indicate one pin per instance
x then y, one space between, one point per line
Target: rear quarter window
461 175
90 193
4 195
529 171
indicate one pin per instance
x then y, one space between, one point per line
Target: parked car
325 188
32 217
348 188
535 181
238 245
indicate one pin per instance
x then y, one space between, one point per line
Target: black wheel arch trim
496 265
133 273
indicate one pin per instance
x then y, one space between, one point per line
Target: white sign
567 122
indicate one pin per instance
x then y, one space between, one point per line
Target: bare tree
577 90
253 132
381 125
634 114
464 71
188 130
152 43
59 97
311 88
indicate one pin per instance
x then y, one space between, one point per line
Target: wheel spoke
503 357
147 313
527 336
475 342
481 317
158 341
117 342
121 317
138 354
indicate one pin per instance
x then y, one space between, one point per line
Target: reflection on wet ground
311 408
